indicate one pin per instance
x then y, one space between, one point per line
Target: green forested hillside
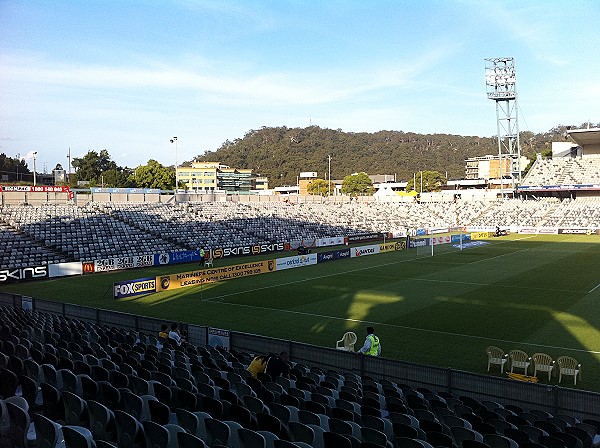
280 153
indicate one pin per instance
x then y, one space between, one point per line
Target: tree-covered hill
281 153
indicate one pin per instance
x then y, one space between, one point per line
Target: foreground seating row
101 386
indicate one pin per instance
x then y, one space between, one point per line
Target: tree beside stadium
97 169
357 184
320 187
14 169
91 166
153 175
426 181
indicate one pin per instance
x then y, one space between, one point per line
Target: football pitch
530 292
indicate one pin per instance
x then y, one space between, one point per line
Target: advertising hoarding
136 287
209 275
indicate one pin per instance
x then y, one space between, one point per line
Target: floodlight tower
501 85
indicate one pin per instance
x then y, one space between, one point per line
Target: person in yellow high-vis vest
372 346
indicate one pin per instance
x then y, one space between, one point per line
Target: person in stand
175 335
258 365
163 334
278 365
371 347
202 256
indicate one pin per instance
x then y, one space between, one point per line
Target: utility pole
69 160
34 168
329 175
174 140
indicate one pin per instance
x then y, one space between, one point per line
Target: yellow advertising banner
390 247
210 275
480 235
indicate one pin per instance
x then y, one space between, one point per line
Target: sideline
404 327
594 288
220 300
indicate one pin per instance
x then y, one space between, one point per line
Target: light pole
174 140
329 176
18 161
69 160
34 154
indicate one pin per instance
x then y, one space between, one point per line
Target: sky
128 75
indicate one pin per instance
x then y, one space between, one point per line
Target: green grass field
535 293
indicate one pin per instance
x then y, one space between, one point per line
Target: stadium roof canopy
585 136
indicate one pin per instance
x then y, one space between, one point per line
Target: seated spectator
163 334
175 336
278 365
258 365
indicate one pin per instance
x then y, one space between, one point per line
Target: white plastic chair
568 366
347 342
496 356
542 363
519 359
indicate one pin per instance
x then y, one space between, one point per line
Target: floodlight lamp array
500 76
501 79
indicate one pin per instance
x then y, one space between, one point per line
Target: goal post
429 245
423 245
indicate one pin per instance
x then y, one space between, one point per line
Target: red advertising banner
88 267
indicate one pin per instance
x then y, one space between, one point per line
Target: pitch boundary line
404 327
594 288
219 300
